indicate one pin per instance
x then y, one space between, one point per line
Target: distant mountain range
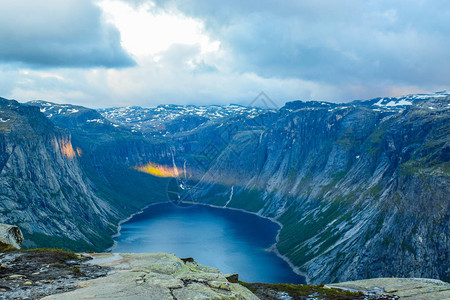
361 188
392 102
156 120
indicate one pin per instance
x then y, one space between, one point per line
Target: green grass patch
335 178
375 191
64 253
55 242
6 247
76 271
216 194
249 200
295 231
300 291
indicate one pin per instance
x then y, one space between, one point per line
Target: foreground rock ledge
155 276
11 235
405 288
166 276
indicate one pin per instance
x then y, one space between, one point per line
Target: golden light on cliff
66 148
79 151
159 170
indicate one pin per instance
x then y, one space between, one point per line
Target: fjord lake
230 240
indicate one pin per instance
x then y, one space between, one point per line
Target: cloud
178 77
204 52
70 33
333 42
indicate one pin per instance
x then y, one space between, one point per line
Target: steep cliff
361 192
43 190
67 175
361 189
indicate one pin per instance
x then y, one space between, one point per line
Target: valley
360 188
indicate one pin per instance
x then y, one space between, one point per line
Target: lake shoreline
119 225
273 248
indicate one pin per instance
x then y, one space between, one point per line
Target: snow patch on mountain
157 119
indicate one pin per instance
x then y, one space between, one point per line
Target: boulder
11 235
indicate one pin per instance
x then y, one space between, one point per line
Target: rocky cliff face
361 188
103 156
69 186
43 190
361 192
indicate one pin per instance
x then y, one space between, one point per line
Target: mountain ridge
343 179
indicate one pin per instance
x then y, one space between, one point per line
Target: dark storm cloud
336 42
48 33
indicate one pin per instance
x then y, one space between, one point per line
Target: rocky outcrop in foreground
11 235
57 274
156 276
405 288
33 274
165 276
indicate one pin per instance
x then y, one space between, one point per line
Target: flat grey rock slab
405 288
156 276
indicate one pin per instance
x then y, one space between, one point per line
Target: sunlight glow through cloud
146 32
103 53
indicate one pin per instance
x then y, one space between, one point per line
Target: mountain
361 188
43 189
402 102
169 118
67 175
361 193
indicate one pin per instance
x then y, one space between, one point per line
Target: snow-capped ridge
157 118
403 101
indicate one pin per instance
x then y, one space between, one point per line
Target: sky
103 53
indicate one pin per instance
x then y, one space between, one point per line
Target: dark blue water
230 240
